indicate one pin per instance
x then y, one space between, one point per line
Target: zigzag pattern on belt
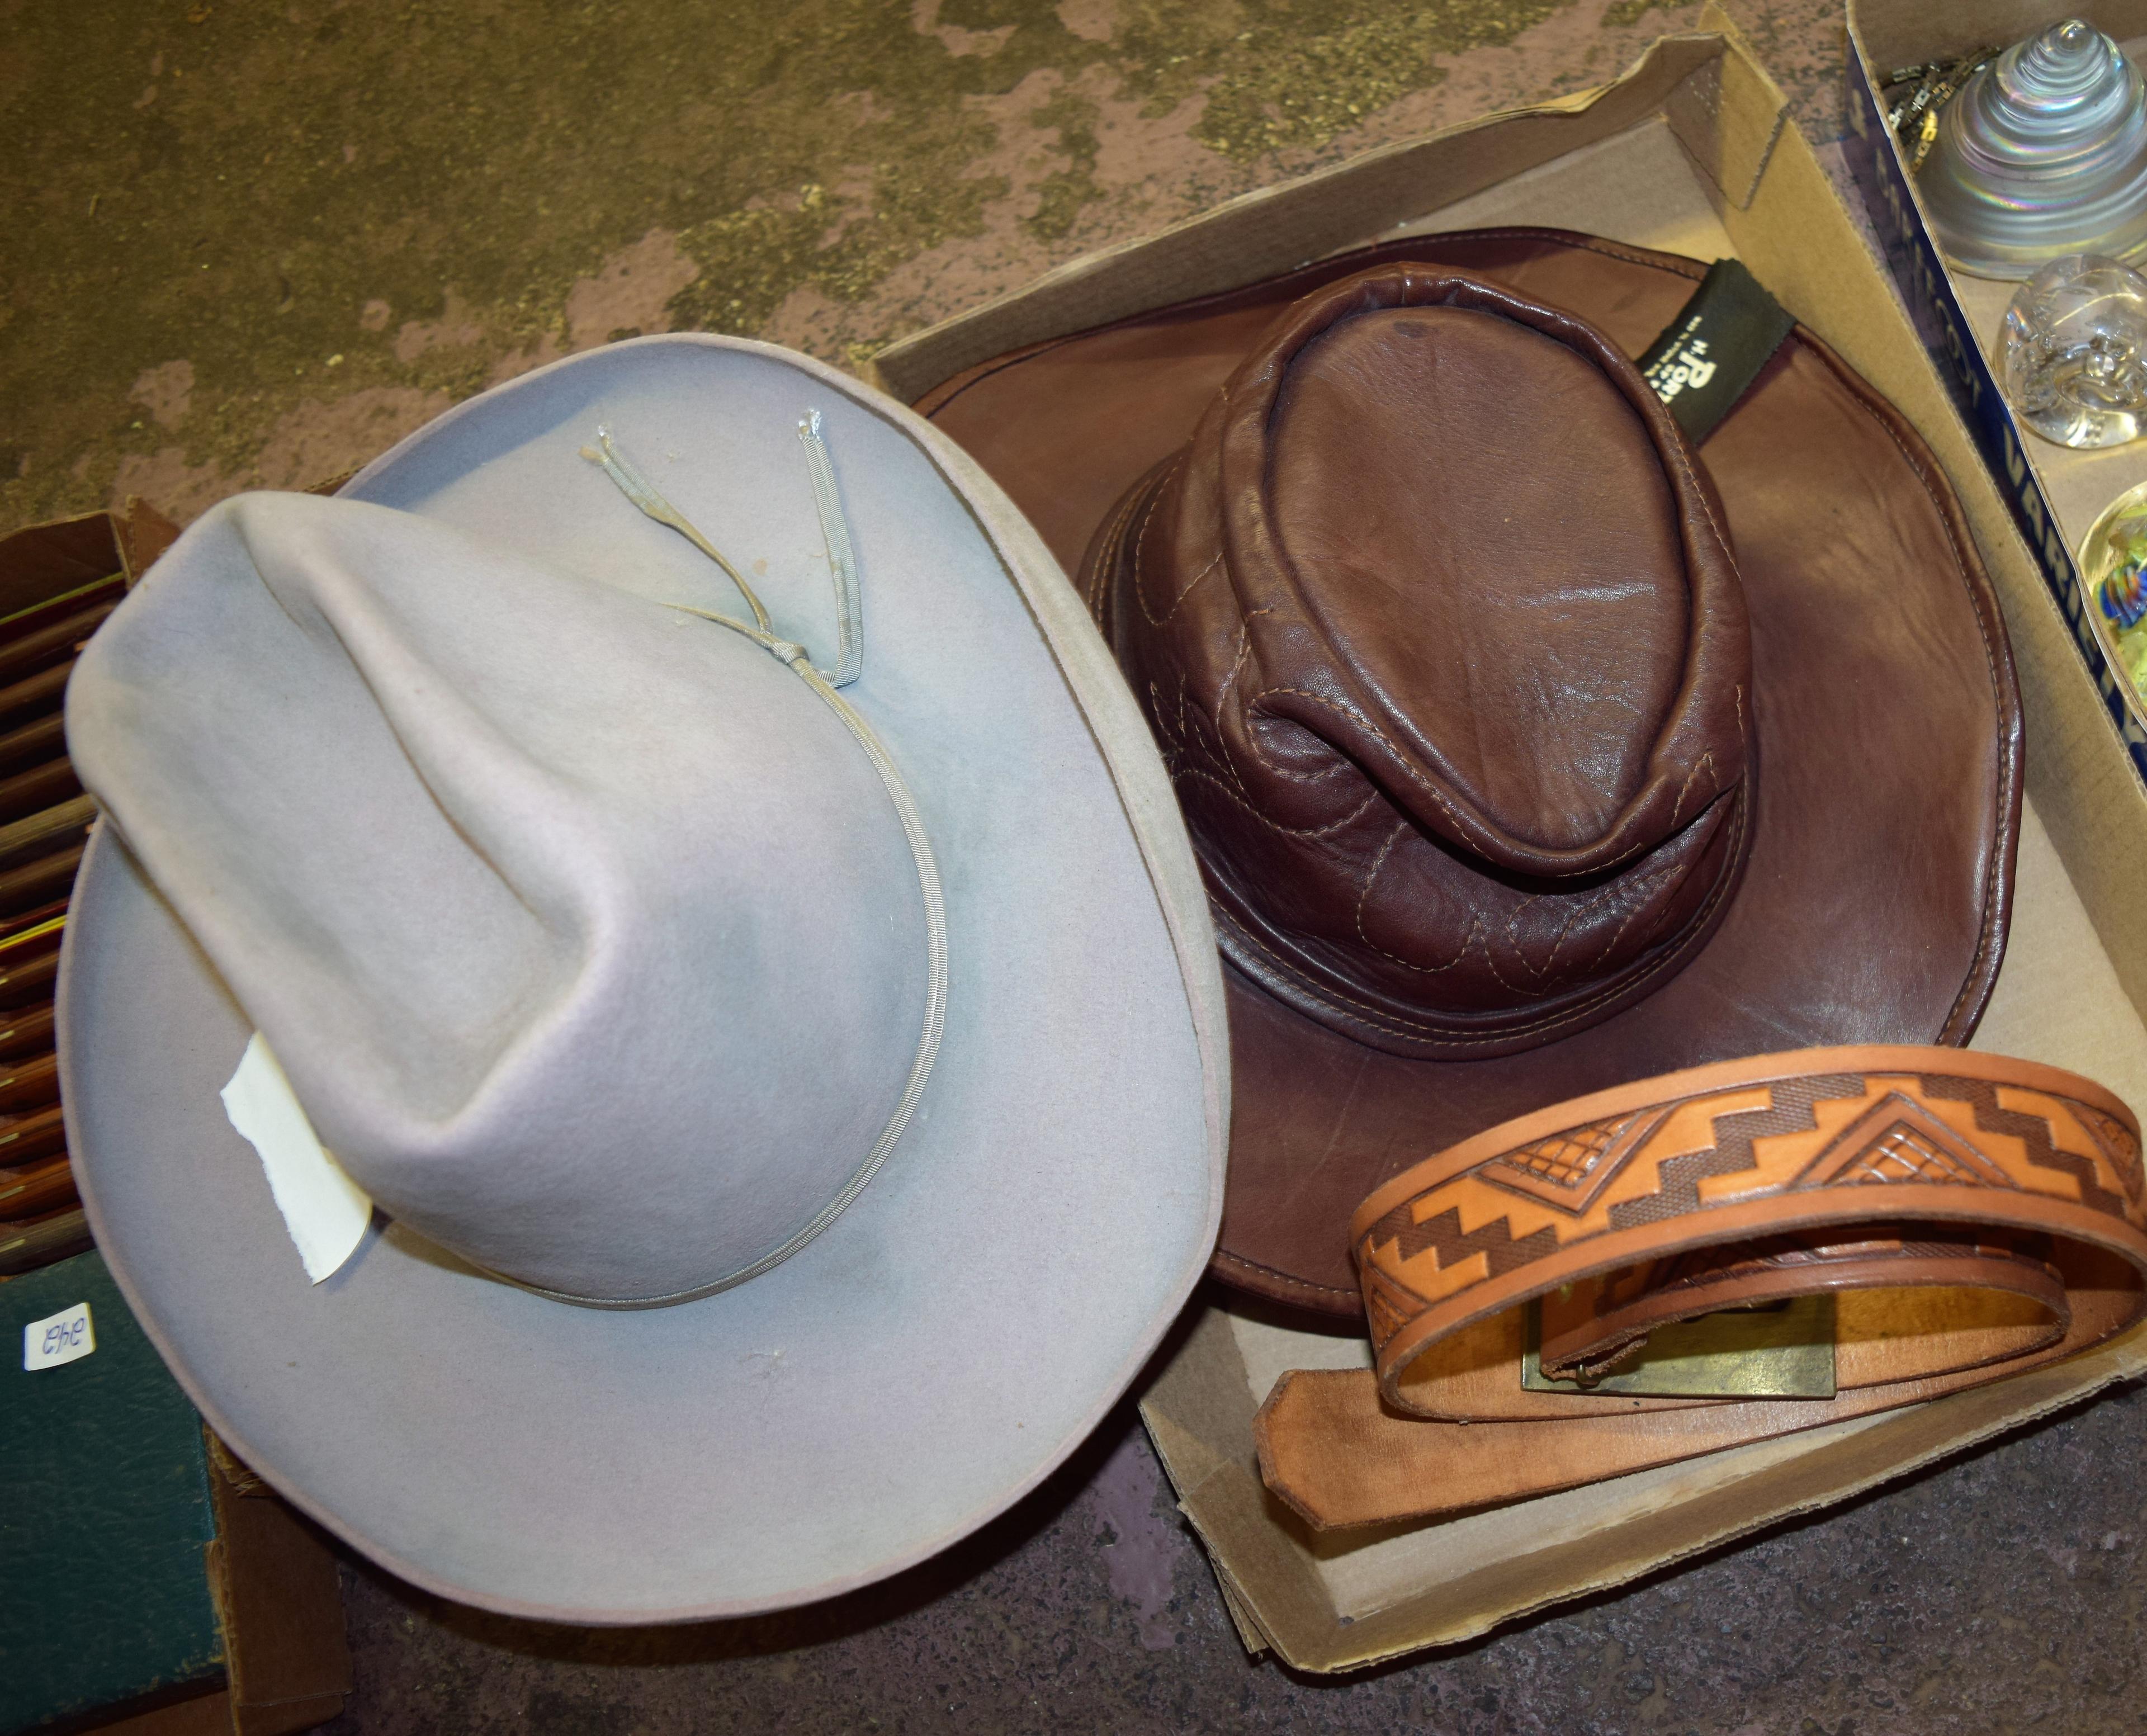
1678 1180
1442 1233
1677 1191
2118 1146
2032 1131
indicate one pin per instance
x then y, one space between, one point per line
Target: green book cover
105 1511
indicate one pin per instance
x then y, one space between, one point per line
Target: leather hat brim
1873 903
967 1322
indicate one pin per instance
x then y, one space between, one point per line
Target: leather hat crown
1432 611
1437 623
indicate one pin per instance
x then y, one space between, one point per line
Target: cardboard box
2053 493
1692 152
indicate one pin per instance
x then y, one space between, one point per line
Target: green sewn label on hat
1706 357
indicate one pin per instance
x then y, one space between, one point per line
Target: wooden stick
38 692
25 1136
41 738
22 886
26 1031
36 1188
34 649
30 1083
40 833
40 787
25 1246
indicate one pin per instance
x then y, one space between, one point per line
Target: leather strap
1974 1216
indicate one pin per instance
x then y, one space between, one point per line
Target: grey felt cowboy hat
771 1004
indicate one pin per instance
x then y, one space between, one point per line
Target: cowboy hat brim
950 1338
1873 903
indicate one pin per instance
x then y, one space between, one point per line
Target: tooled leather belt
1971 1216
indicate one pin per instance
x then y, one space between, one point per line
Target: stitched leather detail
1368 892
1140 543
1975 987
1345 1116
1268 1280
1998 661
1252 954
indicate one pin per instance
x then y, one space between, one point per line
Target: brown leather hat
1509 780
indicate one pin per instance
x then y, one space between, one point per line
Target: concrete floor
2001 1594
249 246
252 246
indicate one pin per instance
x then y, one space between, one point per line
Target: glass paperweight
2113 565
2043 153
2073 352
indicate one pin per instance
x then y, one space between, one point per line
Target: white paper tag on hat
325 1211
58 1339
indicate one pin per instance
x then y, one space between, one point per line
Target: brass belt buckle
1782 1350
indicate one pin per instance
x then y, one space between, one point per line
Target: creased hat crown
588 939
1436 622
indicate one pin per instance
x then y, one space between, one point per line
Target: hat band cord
834 531
850 664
